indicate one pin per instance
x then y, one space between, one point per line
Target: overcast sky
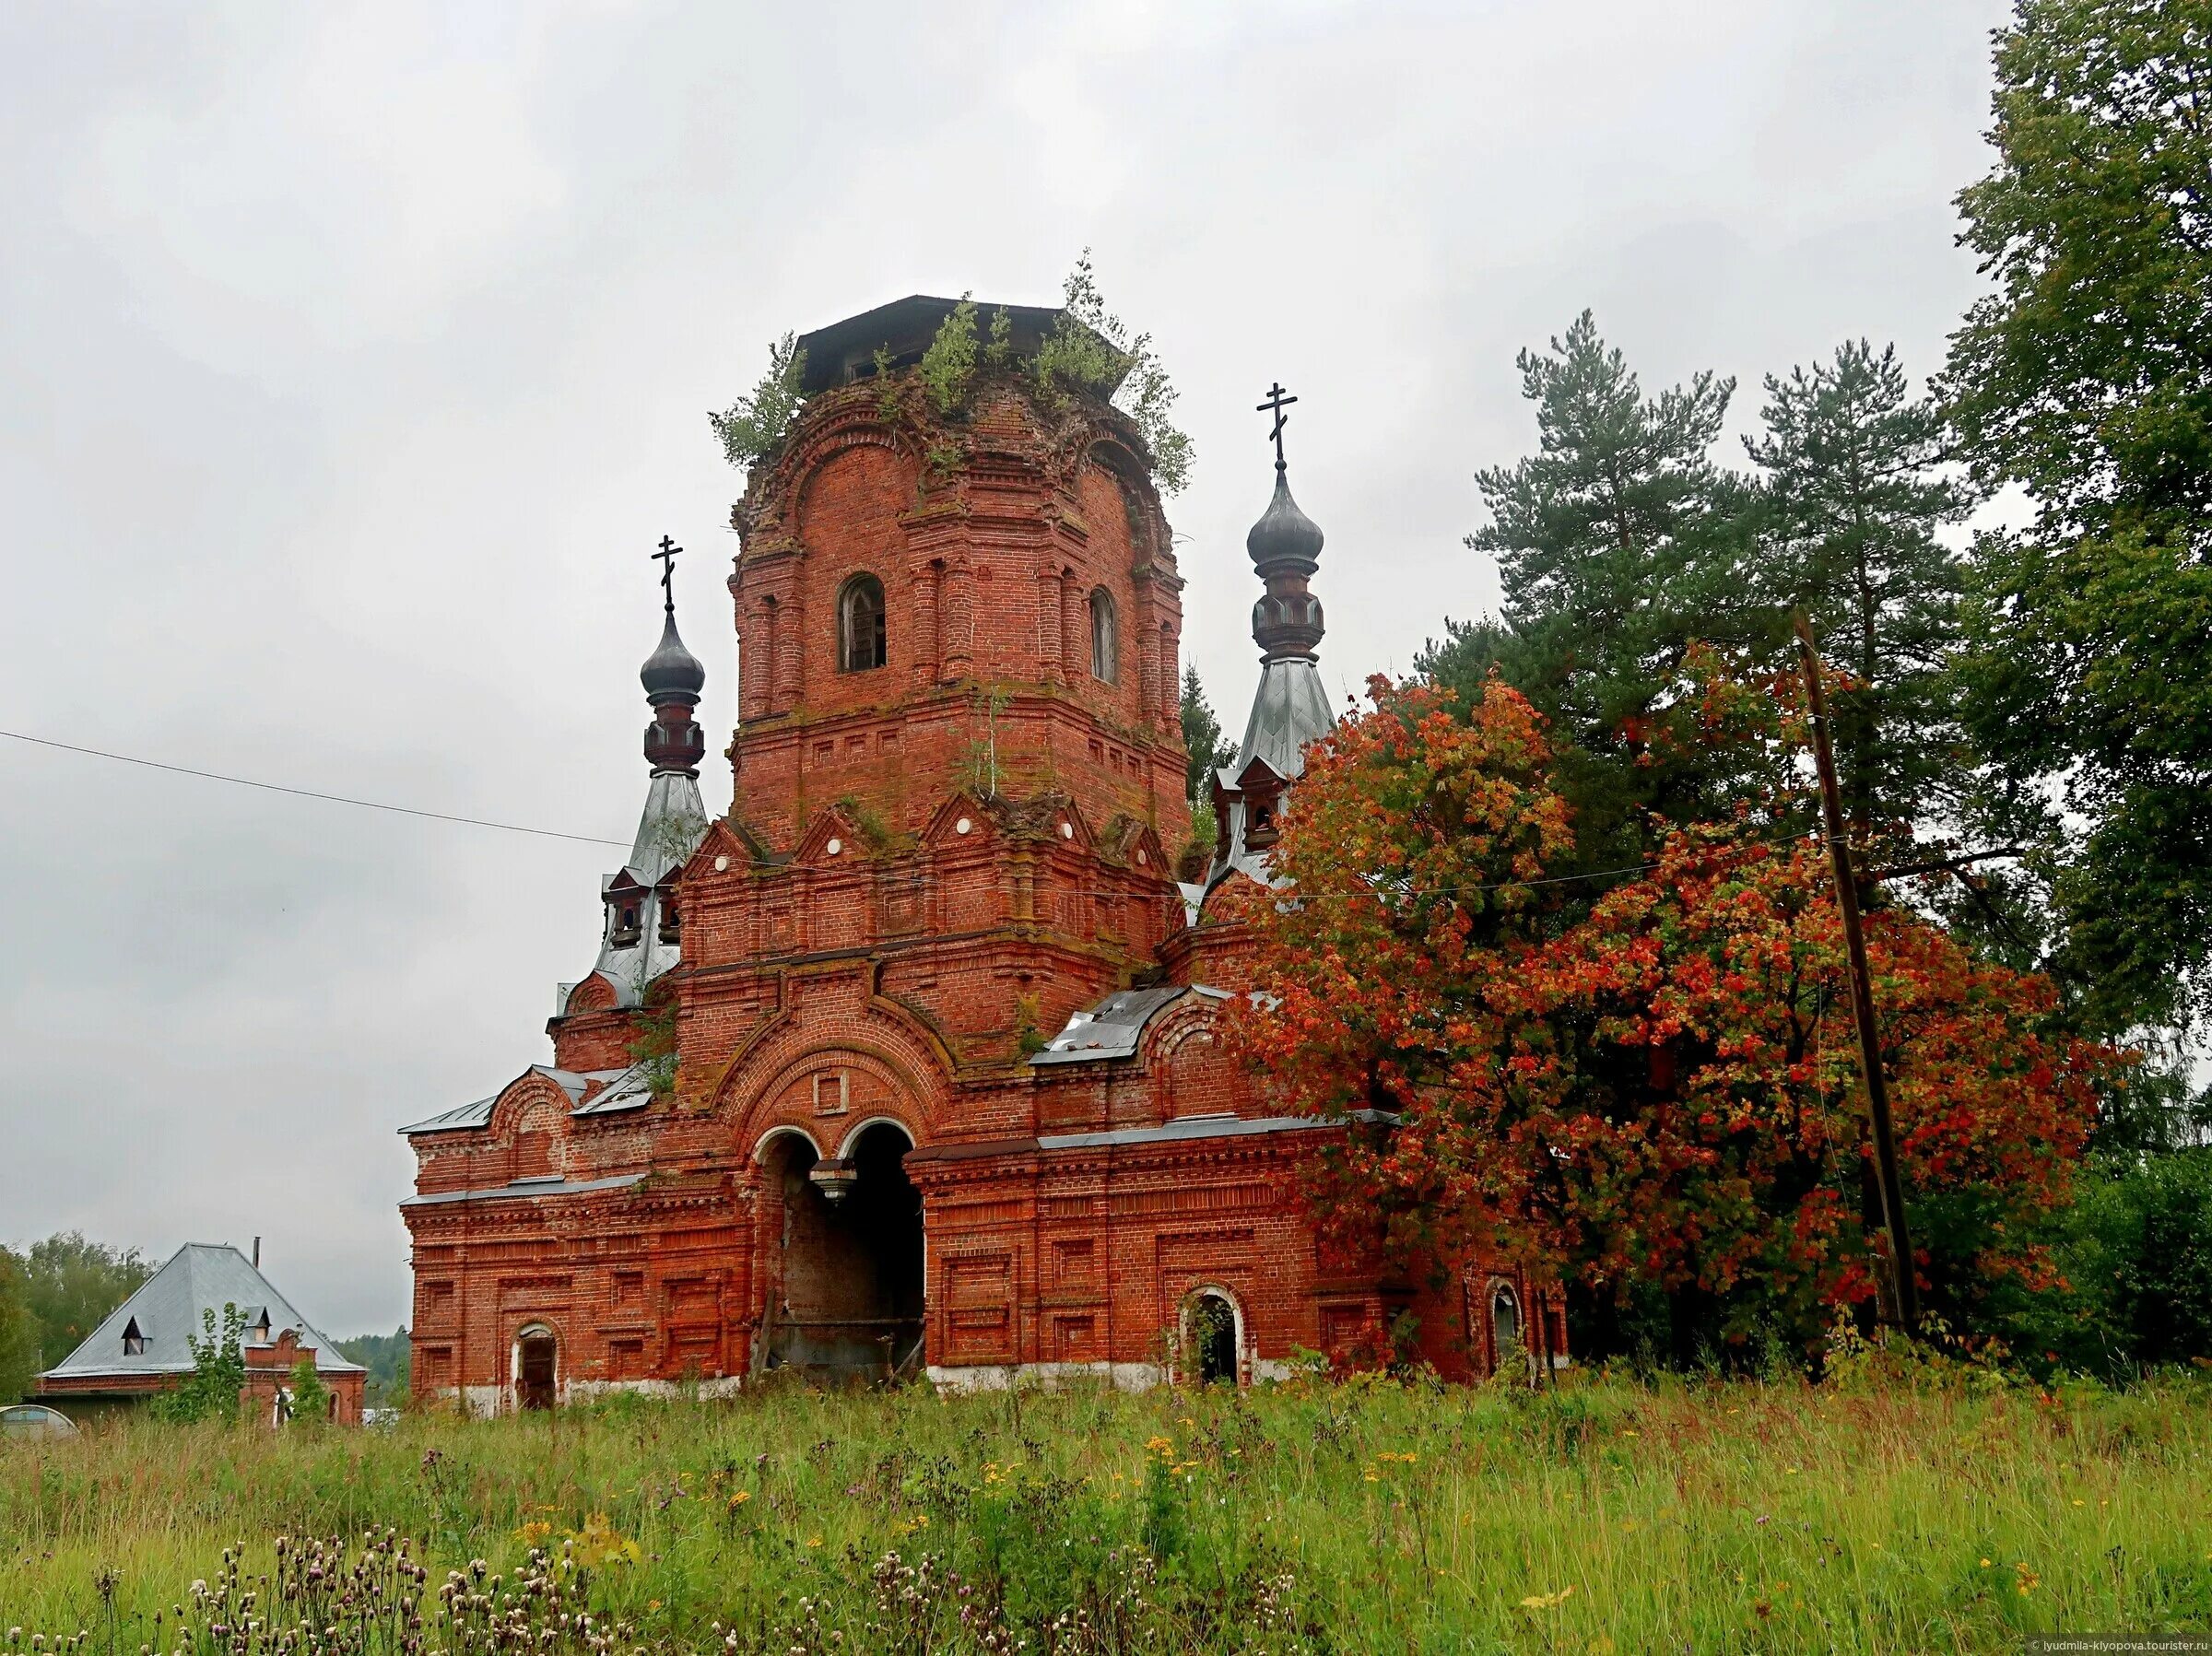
352 358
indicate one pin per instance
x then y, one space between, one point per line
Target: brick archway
839 1254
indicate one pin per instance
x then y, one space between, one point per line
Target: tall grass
1606 1516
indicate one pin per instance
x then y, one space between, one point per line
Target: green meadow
1606 1515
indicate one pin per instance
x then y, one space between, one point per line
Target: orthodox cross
667 558
1277 402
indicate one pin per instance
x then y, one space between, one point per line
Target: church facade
912 1062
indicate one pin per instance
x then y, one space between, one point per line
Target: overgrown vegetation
1931 1511
754 426
219 1372
1090 349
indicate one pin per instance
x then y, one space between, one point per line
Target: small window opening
671 924
1105 637
625 932
860 639
133 1340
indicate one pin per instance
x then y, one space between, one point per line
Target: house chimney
257 1253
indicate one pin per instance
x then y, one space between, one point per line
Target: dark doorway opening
1213 1336
538 1369
1505 1328
845 1292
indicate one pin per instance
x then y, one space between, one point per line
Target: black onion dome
672 670
1284 534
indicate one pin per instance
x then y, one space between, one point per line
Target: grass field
1607 1515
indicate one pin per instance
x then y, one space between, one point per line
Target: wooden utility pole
1906 1290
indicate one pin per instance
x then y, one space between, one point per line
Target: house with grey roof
145 1346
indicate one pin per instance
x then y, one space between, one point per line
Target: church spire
1289 710
673 679
1285 546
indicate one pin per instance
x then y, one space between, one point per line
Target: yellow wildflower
1548 1601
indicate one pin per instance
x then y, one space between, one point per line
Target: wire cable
338 799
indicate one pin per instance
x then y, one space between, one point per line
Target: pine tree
1620 545
1201 735
1854 490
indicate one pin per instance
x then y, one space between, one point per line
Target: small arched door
536 1367
1212 1333
1505 1328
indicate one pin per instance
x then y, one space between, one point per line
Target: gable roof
199 1276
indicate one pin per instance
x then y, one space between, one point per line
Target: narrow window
133 1342
860 633
1105 637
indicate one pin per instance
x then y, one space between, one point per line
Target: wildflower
2025 1578
1790 1471
814 1541
742 1496
1548 1601
1984 1564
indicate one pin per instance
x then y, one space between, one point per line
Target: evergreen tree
2086 379
1620 545
1854 490
1201 736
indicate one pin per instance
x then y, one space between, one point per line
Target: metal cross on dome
1277 400
666 557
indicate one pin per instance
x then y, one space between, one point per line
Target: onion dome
1286 549
672 673
1285 538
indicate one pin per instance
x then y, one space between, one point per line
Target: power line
338 799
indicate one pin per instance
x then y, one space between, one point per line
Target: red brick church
909 1062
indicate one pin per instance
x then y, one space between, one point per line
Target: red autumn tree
1660 1089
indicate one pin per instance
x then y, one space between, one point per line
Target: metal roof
670 830
1111 1029
619 1090
1289 712
846 350
198 1277
519 1189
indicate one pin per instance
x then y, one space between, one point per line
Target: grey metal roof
1290 712
623 1089
1111 1029
198 1277
1191 1127
670 830
551 1185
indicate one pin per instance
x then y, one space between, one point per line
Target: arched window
860 635
1105 637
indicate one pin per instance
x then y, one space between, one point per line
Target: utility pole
1862 990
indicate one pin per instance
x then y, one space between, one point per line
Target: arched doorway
844 1271
1210 1338
536 1367
1505 1328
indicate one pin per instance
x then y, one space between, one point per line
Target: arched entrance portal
1212 1334
844 1271
536 1367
